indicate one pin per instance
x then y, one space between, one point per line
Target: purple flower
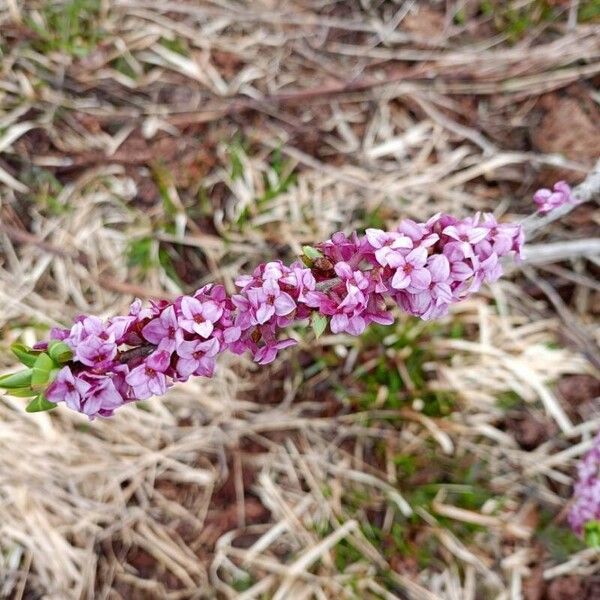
196 357
58 333
421 234
587 490
354 324
199 317
96 352
118 327
376 311
347 302
467 234
488 269
547 200
268 352
137 310
297 281
162 331
384 243
258 305
102 397
418 305
67 388
148 379
439 288
410 270
341 248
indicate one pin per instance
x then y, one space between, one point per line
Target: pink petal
452 232
338 323
159 361
190 306
154 331
417 257
264 313
204 329
356 325
439 267
186 366
284 304
343 270
211 311
232 334
477 234
420 279
402 242
400 280
376 237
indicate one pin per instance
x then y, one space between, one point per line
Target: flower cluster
586 507
347 281
547 200
426 267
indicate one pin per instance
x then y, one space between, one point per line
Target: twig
538 254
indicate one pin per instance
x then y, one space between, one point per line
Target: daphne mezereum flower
586 506
149 379
411 271
547 200
199 317
196 357
68 389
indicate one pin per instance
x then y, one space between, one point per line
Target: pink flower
384 243
354 324
587 490
419 305
161 331
410 270
421 234
346 303
439 288
118 327
258 305
467 234
267 353
376 312
199 317
137 310
547 200
341 247
96 352
102 397
488 269
67 388
196 357
148 379
297 281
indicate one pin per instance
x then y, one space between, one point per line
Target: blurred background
147 148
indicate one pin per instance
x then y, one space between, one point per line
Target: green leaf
25 392
591 533
311 253
25 354
41 371
16 380
59 352
39 404
319 324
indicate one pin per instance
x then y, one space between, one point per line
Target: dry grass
147 148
